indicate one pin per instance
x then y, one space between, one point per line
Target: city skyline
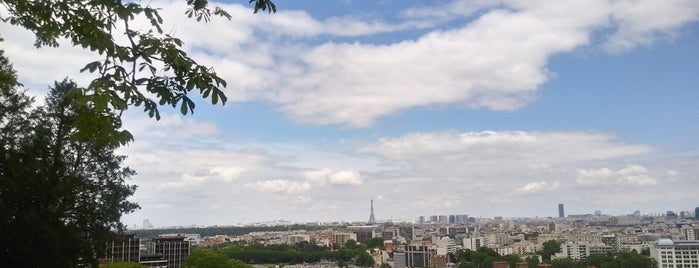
486 108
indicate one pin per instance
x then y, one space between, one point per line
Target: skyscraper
372 220
561 214
696 213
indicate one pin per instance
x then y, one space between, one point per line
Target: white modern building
675 254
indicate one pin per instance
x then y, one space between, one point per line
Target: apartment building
675 254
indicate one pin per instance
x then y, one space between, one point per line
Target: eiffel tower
372 220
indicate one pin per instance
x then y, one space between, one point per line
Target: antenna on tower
372 220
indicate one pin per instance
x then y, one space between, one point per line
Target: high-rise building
125 248
434 219
675 254
399 259
696 213
417 256
561 213
670 215
372 220
173 248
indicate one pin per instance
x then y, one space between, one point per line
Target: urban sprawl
669 239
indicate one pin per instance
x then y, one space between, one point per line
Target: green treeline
212 231
304 252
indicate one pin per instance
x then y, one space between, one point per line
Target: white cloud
533 187
645 22
170 126
497 59
631 175
327 176
279 186
345 177
318 177
491 154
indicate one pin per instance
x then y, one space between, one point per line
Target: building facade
125 248
561 213
174 249
675 254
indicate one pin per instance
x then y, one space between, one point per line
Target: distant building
576 251
152 260
463 218
475 243
125 248
696 213
434 219
424 256
675 254
340 238
690 232
298 238
399 260
174 249
670 215
407 232
561 213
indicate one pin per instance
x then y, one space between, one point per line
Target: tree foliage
549 249
483 257
303 252
123 265
374 242
146 68
60 199
207 258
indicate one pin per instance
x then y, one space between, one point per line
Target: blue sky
485 108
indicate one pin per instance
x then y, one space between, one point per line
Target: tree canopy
146 68
549 249
207 258
60 199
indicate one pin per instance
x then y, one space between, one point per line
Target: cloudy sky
486 108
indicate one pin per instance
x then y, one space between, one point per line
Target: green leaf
92 66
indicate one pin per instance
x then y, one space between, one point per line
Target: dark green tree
567 263
123 265
350 244
598 259
364 259
206 258
512 259
374 242
466 264
148 68
60 198
532 261
549 249
630 259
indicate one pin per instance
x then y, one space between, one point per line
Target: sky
485 108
